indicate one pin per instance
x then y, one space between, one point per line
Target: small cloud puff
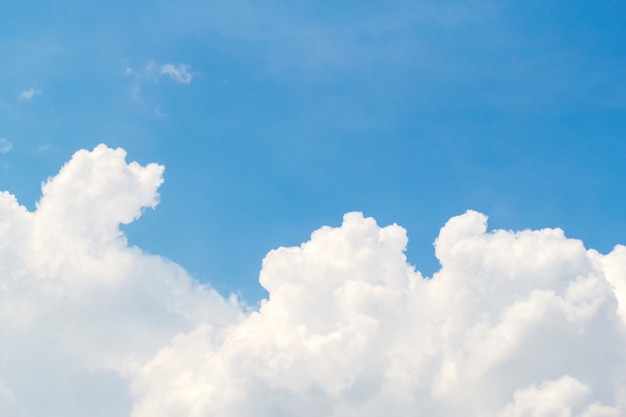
5 145
29 94
513 324
179 73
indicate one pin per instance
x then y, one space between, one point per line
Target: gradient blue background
410 111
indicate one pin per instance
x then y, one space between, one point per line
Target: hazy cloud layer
5 145
29 94
524 323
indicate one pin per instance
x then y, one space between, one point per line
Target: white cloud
179 73
554 398
79 309
29 94
5 145
514 324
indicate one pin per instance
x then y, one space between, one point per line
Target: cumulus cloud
5 145
179 73
80 310
526 323
29 94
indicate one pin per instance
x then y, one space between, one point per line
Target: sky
339 207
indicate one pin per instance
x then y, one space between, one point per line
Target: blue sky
395 123
297 112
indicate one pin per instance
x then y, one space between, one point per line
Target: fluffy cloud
179 73
80 310
526 323
5 145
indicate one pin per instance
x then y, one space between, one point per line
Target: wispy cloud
149 67
158 113
5 145
135 92
29 94
152 73
179 73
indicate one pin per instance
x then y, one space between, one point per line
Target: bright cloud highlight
179 73
526 323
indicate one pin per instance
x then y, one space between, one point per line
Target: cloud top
526 323
97 191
